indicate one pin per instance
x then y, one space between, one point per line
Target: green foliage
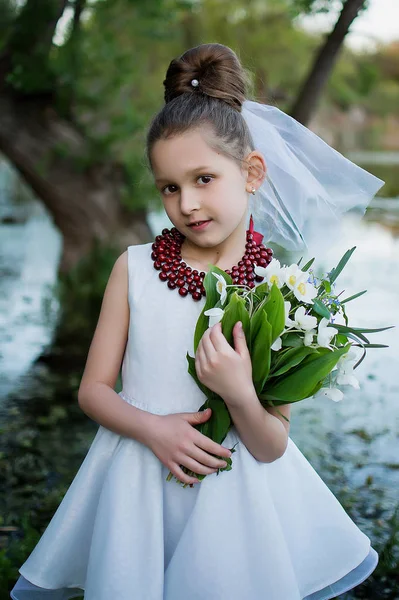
80 293
12 557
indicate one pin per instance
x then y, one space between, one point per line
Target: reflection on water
29 255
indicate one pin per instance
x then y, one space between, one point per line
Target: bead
166 256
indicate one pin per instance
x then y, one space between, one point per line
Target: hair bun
217 70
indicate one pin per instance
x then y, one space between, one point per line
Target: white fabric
309 185
261 531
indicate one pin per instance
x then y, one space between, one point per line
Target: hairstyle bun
217 70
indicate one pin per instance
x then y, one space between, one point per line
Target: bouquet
298 349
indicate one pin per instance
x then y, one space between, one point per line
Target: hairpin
195 82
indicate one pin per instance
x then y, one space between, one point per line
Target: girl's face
205 193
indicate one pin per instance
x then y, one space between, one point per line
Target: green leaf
292 358
261 291
327 285
292 340
308 265
234 312
338 269
303 380
218 425
321 309
372 345
274 308
260 342
193 373
212 298
353 297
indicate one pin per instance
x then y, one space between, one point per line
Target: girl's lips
202 225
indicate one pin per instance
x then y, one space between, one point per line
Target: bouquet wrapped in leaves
297 348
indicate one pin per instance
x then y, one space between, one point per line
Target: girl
268 530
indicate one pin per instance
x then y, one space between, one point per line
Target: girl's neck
224 256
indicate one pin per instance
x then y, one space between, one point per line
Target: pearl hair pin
195 82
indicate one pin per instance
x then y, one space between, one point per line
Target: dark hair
216 100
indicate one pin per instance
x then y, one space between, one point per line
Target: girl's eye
169 189
205 179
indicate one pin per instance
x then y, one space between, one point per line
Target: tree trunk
54 159
309 95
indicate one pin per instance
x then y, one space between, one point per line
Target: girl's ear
256 170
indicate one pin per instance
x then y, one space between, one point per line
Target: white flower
221 287
303 290
308 339
273 273
288 322
292 274
215 315
325 334
330 393
347 379
277 344
304 321
347 362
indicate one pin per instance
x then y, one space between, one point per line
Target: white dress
262 531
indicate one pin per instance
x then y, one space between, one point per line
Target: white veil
308 186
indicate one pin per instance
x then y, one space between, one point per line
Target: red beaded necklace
166 254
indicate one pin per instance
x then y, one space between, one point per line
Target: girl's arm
228 372
172 438
96 395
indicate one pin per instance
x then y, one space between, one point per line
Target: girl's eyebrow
191 172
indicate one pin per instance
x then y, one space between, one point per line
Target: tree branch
30 42
311 90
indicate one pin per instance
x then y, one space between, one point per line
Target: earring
253 191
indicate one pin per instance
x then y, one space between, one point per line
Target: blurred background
79 82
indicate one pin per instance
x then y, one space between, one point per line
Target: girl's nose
189 201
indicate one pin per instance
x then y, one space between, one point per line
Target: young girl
269 529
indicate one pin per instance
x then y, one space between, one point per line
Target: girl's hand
225 370
176 442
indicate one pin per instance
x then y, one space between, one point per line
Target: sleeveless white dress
262 531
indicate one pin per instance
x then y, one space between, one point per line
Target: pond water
353 444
